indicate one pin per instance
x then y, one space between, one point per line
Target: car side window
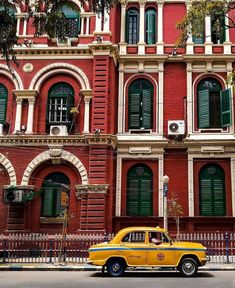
134 237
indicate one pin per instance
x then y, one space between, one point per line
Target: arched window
214 104
60 101
218 30
3 103
71 25
150 26
212 191
140 105
51 196
139 191
132 32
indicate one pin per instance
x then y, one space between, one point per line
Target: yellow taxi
147 247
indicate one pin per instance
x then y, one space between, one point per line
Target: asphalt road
72 279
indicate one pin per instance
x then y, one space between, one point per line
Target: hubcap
188 267
116 267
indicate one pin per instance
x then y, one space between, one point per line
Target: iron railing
45 248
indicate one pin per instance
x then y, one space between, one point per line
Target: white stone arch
10 169
16 80
125 92
56 68
44 156
78 3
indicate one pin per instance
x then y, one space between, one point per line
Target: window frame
132 37
59 103
3 104
150 40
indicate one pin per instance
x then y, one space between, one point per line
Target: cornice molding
45 140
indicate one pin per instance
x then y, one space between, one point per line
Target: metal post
165 190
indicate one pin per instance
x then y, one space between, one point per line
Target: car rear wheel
188 267
116 267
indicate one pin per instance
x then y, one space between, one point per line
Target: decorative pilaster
190 44
122 43
121 113
227 43
31 102
118 187
189 98
160 95
87 114
18 115
208 43
141 44
160 43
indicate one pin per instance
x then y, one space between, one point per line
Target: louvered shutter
147 109
203 109
134 110
219 198
146 197
206 197
48 201
225 104
132 197
3 106
150 27
58 207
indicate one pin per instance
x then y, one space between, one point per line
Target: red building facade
110 110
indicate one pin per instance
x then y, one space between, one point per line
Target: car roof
143 228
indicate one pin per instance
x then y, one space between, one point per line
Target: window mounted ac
13 196
58 130
176 127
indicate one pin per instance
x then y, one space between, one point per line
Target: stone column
31 102
190 188
122 43
208 43
87 97
159 118
141 44
190 101
118 186
227 43
87 25
82 26
121 106
18 114
87 114
190 44
160 43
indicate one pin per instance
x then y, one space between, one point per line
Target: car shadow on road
152 274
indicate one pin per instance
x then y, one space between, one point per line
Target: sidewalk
86 267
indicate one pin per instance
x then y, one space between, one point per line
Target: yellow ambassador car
147 247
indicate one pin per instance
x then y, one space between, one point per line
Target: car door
135 248
162 253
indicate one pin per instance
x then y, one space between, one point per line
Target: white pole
165 190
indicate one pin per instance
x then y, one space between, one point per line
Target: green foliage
194 22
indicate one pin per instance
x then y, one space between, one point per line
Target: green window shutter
132 197
150 26
3 106
3 103
203 109
225 104
146 208
147 109
58 207
134 110
219 198
48 202
206 197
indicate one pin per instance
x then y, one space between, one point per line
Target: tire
188 267
116 267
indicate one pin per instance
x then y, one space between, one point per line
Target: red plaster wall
175 91
176 168
172 13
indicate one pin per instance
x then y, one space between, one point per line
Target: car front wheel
116 267
188 267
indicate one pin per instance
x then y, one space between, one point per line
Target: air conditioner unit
58 130
176 127
13 196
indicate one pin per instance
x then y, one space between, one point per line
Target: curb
52 267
